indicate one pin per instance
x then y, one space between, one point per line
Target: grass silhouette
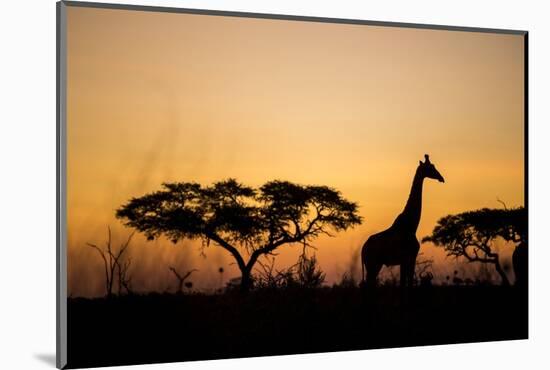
151 328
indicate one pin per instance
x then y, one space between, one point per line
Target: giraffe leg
411 271
406 273
416 248
372 274
402 274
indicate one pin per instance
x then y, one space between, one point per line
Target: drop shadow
47 358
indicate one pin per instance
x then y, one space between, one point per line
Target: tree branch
102 254
475 257
181 279
228 247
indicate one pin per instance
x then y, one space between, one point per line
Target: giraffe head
427 169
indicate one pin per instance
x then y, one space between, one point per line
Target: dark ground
166 328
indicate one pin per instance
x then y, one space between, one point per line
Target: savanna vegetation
269 310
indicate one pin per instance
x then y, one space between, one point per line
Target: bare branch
181 279
501 202
102 254
112 263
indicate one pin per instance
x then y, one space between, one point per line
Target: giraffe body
398 244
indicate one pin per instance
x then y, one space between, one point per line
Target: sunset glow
162 97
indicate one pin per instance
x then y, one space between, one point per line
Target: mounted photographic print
235 185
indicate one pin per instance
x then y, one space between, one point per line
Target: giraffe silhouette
398 244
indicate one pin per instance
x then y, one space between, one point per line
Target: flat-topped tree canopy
240 218
471 234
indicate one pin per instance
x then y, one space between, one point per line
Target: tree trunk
520 264
246 280
502 273
246 272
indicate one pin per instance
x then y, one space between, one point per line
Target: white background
27 183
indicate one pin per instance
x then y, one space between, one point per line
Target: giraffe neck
410 217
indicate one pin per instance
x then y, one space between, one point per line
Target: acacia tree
472 234
246 222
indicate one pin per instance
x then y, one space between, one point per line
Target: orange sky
155 97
